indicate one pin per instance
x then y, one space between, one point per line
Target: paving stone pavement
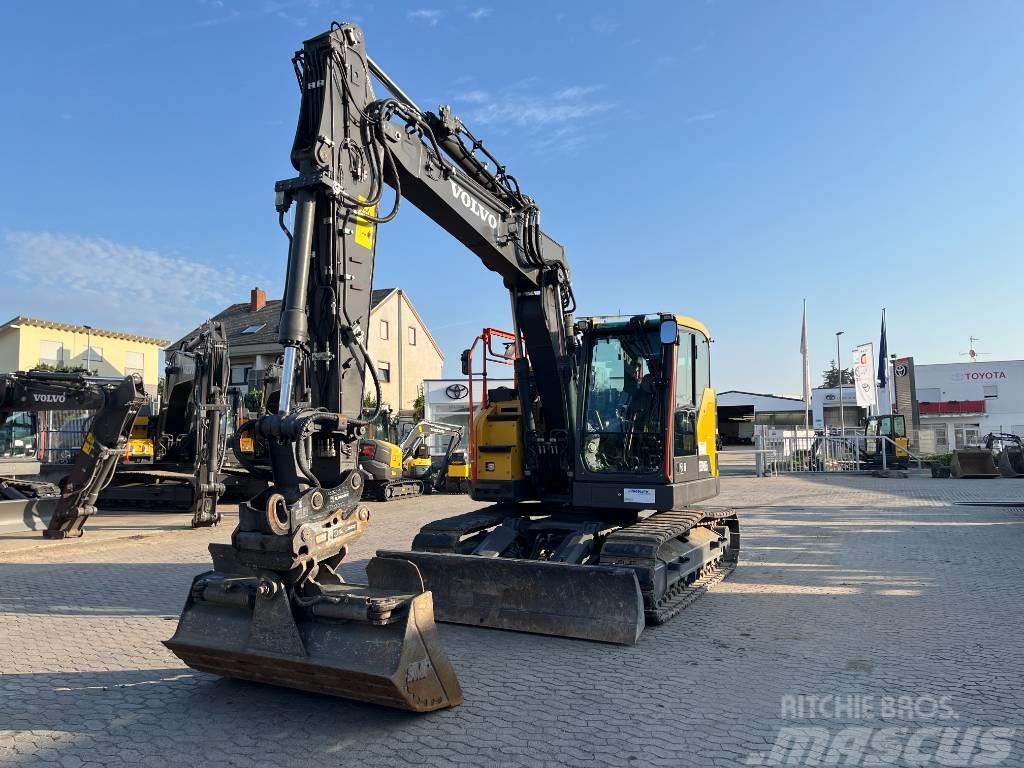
852 587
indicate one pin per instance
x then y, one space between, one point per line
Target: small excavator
65 510
399 471
593 465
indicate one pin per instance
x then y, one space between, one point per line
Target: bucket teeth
367 643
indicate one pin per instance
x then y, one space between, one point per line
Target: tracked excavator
592 465
65 510
399 471
188 436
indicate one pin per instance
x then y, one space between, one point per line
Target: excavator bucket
375 643
1011 462
589 602
973 463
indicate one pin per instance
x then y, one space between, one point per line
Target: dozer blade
390 655
26 514
589 602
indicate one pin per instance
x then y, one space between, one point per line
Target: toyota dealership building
959 403
947 405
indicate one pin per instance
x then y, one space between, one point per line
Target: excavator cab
615 543
892 427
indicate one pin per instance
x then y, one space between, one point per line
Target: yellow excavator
593 465
399 471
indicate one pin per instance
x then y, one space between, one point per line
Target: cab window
684 426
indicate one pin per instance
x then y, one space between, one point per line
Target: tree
63 368
419 405
830 376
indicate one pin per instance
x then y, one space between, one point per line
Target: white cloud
577 91
472 97
479 14
425 16
530 111
78 279
700 117
561 121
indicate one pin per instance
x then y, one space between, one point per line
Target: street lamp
839 362
88 350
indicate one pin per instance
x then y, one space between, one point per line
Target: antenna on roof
972 352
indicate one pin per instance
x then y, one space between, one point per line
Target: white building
960 403
447 400
826 413
739 411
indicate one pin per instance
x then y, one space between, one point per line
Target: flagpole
891 368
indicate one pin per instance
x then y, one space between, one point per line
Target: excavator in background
64 510
1000 454
1011 452
399 471
894 428
188 437
593 463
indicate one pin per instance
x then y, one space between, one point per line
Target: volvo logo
57 398
457 391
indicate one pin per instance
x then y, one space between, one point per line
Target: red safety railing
506 356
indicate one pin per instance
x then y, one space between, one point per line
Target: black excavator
592 464
65 510
189 435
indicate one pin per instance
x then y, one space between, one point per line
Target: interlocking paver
847 586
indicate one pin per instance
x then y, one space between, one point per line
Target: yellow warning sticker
90 441
365 227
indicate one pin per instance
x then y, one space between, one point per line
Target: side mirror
669 331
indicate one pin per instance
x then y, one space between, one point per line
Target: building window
240 374
254 328
966 434
412 336
991 391
384 372
51 353
134 363
384 329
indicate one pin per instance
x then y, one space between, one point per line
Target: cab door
693 418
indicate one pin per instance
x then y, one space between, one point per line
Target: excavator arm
198 373
349 145
116 405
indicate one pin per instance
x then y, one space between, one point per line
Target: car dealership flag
807 363
863 375
883 351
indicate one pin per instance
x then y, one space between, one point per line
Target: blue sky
719 159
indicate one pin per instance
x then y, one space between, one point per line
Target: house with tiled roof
402 348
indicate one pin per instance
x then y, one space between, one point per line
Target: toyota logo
457 391
900 370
